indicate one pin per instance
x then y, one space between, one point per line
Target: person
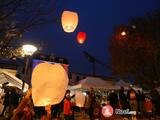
113 99
54 110
132 97
47 113
97 108
67 111
155 100
148 107
14 100
122 99
6 102
104 101
23 110
91 95
141 99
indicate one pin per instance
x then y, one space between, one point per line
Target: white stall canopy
98 83
94 82
12 80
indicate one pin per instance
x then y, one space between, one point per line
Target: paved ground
80 116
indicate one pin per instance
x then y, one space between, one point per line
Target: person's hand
29 92
48 109
73 96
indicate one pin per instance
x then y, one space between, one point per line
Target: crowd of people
21 107
145 106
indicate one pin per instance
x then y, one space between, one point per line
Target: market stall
12 80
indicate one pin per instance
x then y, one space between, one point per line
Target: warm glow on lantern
79 99
49 84
81 37
69 21
107 111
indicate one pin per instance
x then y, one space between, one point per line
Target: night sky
97 18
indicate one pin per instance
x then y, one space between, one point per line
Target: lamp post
28 51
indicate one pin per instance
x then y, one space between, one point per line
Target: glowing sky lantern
79 99
49 84
107 111
81 37
69 21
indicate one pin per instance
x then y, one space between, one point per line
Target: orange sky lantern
69 21
49 84
81 37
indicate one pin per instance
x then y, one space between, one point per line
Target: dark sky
97 18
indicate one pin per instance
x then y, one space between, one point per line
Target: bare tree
137 53
19 16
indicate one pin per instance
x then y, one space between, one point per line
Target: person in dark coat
91 95
113 99
140 99
155 100
123 99
6 101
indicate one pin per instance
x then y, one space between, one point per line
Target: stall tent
126 85
94 82
98 83
12 80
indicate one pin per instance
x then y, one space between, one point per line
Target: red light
81 37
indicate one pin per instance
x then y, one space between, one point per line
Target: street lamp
28 51
123 33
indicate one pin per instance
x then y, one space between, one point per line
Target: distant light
79 99
123 33
28 49
81 37
134 26
107 111
84 93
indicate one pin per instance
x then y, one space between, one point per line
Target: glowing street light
123 33
28 49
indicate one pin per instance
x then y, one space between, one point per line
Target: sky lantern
107 111
81 37
79 99
49 84
69 21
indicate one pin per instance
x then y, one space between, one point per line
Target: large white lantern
69 21
79 99
49 84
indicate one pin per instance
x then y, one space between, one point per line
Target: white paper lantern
79 99
69 21
49 84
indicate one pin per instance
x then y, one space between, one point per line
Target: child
148 107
